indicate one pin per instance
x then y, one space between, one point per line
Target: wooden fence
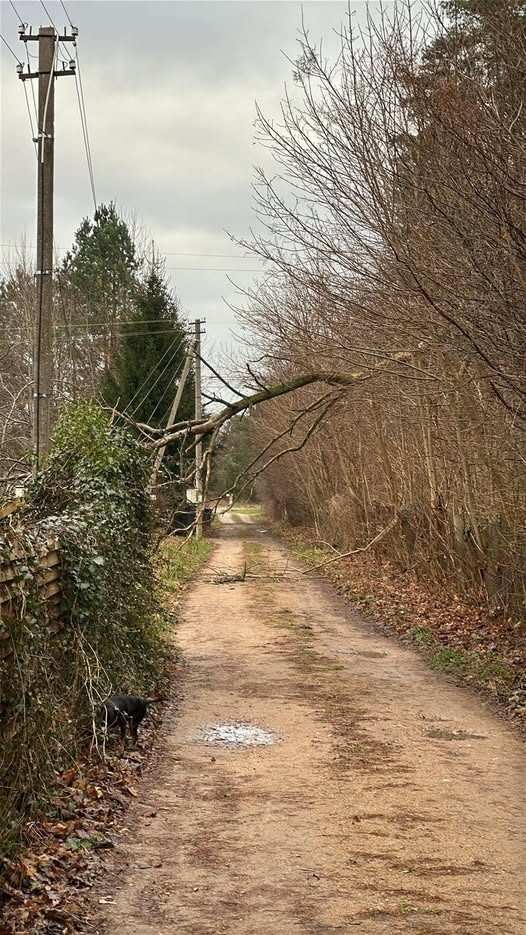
45 565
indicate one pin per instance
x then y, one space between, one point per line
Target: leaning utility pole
173 412
198 412
48 42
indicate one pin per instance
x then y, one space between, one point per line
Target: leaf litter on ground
43 887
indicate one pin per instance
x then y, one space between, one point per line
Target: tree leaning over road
404 231
399 256
398 267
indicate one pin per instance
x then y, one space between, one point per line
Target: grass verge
250 509
178 560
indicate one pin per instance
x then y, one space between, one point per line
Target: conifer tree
142 380
101 272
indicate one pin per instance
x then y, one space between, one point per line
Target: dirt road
380 799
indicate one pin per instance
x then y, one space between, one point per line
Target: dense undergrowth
58 795
92 497
45 882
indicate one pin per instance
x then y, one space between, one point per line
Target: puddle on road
236 735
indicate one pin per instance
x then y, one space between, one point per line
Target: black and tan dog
126 711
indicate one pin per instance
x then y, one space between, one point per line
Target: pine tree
102 262
143 377
100 276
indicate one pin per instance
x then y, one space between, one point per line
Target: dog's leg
133 731
122 728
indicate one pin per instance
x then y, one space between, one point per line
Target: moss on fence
54 673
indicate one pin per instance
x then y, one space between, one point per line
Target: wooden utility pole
198 412
43 335
173 411
43 324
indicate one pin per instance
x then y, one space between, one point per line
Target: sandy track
390 803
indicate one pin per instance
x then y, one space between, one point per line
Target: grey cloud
170 90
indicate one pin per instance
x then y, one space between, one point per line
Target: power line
226 256
84 122
127 334
21 21
151 373
58 280
83 116
67 14
81 103
121 321
15 56
213 269
165 416
167 351
32 86
46 11
33 134
152 387
87 149
168 386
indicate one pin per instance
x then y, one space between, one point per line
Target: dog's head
108 715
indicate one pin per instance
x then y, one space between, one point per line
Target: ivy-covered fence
79 617
17 566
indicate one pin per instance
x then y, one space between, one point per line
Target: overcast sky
170 90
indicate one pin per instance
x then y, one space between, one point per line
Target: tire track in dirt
390 803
